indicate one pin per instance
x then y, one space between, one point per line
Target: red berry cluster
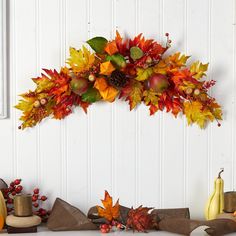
113 226
9 193
37 199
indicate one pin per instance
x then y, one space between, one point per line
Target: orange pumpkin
1 222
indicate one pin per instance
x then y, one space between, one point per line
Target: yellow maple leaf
32 114
150 97
106 68
26 105
43 83
109 211
196 113
177 59
216 110
161 67
186 84
171 63
198 69
108 93
136 95
143 74
80 60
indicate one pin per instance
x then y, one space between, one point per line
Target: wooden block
13 230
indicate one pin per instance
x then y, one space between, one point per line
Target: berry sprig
9 193
112 226
16 188
37 200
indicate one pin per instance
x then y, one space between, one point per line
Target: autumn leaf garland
135 70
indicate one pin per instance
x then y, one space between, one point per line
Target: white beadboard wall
155 161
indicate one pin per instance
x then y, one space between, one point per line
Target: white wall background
157 161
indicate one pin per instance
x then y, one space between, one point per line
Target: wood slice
23 222
13 230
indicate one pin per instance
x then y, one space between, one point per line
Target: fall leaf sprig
139 219
134 70
109 211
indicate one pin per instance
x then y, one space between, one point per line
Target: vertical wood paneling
113 110
173 130
26 68
233 156
89 172
50 131
149 145
38 70
150 158
197 168
161 182
77 123
63 45
125 120
221 70
8 125
100 114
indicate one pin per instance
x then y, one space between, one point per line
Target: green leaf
117 59
97 44
143 74
92 95
136 53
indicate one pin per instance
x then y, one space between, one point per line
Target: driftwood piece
65 217
183 226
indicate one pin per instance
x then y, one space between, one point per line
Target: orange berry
196 92
188 91
36 104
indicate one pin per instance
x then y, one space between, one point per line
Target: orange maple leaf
111 48
109 212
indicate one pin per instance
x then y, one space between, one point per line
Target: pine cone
139 219
118 79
